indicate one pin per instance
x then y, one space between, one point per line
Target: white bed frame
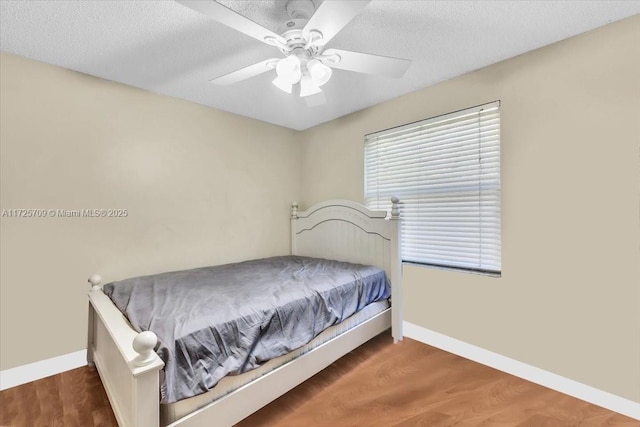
337 229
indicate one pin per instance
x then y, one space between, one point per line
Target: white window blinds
446 171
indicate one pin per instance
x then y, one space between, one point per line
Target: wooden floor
379 384
72 399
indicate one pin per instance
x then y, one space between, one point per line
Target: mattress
229 319
172 412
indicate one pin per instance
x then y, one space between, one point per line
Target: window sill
455 269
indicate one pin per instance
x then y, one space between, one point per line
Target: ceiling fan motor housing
300 9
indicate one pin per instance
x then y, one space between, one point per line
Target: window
446 171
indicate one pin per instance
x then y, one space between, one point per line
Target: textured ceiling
169 49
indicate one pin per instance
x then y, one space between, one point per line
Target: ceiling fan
302 40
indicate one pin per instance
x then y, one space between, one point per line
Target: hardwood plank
74 398
379 385
412 384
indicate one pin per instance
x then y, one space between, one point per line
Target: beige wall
201 187
568 300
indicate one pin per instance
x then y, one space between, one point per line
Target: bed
132 372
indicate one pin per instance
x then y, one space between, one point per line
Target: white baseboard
530 373
42 369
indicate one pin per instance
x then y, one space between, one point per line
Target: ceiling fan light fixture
308 86
282 84
289 69
319 72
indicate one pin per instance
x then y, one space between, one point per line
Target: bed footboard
125 360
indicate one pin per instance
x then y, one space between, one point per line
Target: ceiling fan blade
332 16
231 19
367 63
246 72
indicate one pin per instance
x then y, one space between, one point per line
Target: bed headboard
348 231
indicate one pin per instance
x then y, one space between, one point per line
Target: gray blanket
228 319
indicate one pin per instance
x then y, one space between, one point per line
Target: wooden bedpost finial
143 344
395 207
95 280
294 210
